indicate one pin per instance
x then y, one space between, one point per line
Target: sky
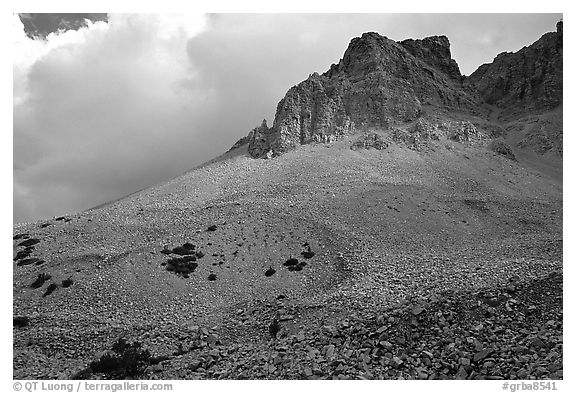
117 106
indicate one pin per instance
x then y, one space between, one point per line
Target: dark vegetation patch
40 280
296 268
125 361
29 242
20 322
294 265
182 266
212 277
189 246
51 288
185 264
308 253
21 236
67 282
212 228
24 253
270 272
30 261
46 224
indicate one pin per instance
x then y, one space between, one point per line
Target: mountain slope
348 248
383 225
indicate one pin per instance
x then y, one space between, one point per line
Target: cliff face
435 51
378 82
526 81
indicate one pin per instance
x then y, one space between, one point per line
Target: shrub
126 360
51 288
29 242
30 261
21 322
269 272
23 254
40 280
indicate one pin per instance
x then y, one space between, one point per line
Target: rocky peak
434 51
368 53
378 82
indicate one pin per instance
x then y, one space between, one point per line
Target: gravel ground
390 229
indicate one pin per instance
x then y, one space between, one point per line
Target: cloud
115 107
98 111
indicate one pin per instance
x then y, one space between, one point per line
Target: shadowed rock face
435 51
377 82
525 81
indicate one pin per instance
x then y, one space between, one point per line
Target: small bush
126 360
269 272
30 261
23 254
188 246
67 283
40 280
183 266
21 322
29 242
308 253
51 288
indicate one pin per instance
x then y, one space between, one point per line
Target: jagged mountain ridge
380 83
526 81
377 83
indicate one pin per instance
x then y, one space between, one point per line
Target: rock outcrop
499 146
380 84
527 81
377 83
369 141
434 51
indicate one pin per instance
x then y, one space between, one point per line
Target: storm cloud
111 108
